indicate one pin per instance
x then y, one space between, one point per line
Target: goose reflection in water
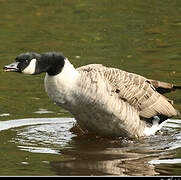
121 159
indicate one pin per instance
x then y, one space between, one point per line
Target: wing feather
135 89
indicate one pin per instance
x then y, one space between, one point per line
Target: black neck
50 62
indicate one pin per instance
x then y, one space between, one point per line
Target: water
45 146
137 36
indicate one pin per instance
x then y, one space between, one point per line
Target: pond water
138 36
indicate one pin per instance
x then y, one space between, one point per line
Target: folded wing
143 94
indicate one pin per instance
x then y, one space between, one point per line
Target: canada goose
105 101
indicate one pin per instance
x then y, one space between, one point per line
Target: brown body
105 101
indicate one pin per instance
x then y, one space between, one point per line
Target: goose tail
156 126
176 87
163 87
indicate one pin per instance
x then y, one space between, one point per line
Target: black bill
11 67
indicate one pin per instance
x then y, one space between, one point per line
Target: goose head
34 63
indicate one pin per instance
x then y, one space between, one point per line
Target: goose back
102 111
133 89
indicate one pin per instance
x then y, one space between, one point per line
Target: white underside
154 128
93 106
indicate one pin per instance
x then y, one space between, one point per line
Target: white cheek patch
30 69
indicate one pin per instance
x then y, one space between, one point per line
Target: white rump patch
155 127
30 69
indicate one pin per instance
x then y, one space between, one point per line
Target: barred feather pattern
107 101
101 112
124 96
